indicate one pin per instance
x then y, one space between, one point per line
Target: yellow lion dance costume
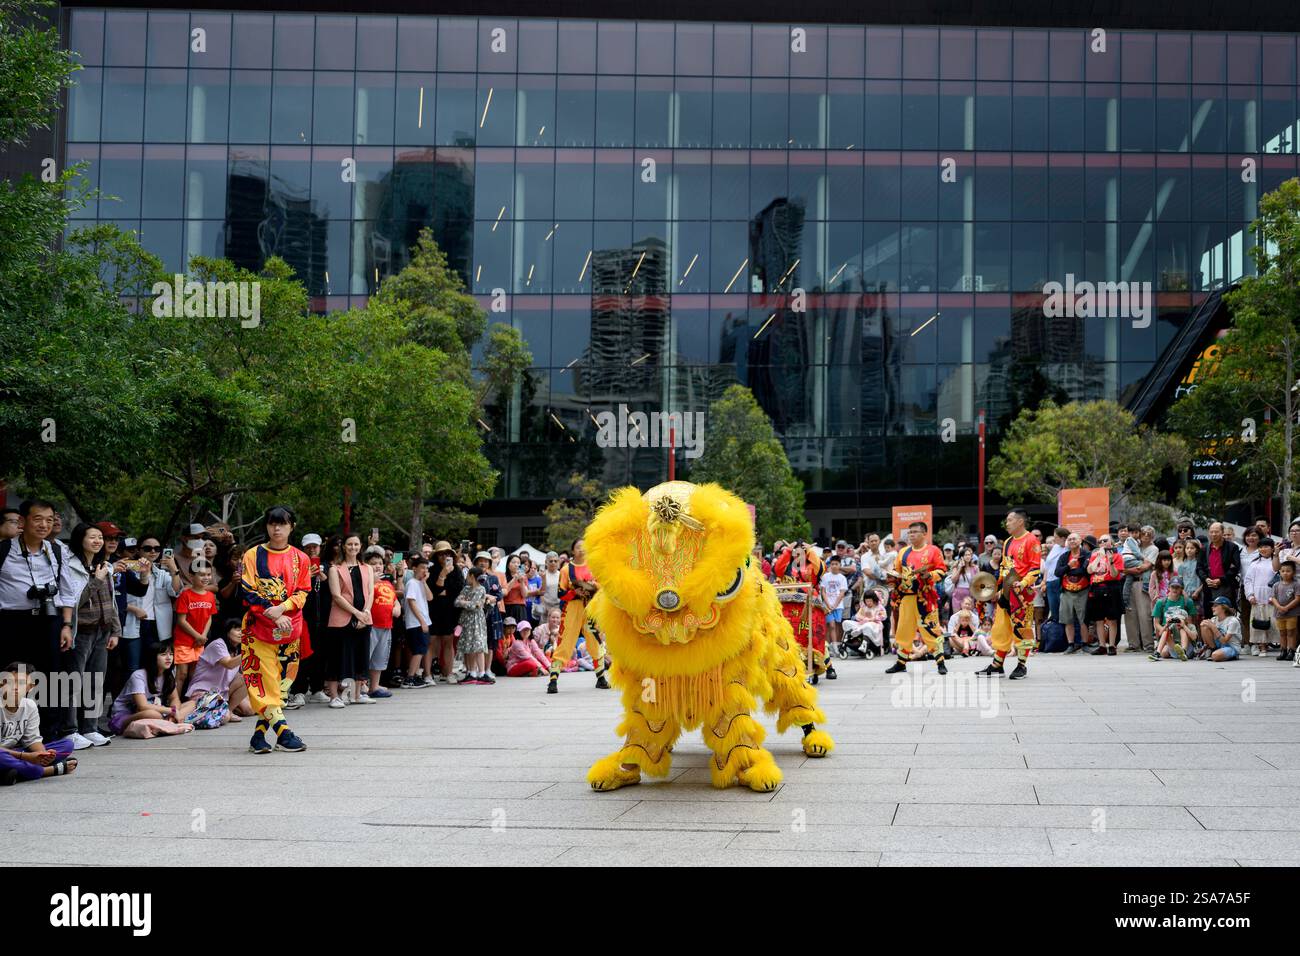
696 635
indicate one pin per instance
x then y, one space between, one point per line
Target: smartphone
464 545
167 552
374 532
398 558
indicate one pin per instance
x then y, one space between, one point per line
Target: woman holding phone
446 582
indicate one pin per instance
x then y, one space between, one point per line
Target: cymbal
984 587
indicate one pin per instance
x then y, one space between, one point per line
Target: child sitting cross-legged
1173 623
1222 635
23 756
525 657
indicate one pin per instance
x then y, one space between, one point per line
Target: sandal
65 766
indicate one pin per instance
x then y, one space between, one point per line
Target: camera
43 593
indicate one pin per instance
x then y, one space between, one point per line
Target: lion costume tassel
696 634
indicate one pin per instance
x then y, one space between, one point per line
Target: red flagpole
981 477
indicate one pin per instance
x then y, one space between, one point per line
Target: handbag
210 712
1260 624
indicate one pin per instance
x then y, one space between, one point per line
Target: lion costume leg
792 700
647 746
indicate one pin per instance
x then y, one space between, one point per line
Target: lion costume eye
734 588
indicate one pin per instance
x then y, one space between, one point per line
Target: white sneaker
81 743
97 739
337 703
365 699
452 679
320 697
295 701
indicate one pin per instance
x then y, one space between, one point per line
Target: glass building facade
857 222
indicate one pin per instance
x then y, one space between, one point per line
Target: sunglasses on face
150 547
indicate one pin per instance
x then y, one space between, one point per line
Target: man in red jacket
275 584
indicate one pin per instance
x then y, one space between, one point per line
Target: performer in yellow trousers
275 583
1013 621
577 587
917 569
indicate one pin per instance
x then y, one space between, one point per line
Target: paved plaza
1090 761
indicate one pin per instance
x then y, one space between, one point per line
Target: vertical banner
905 515
1085 510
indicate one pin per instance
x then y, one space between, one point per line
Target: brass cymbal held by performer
1013 621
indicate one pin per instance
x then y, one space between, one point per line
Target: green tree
1082 445
78 389
567 519
1245 406
743 454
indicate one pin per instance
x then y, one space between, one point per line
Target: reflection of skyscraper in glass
273 219
775 238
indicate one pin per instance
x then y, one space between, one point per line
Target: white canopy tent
539 557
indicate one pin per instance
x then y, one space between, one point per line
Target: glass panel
496 110
205 182
537 46
616 175
730 113
654 48
920 53
1243 58
250 106
169 39
653 106
119 178
884 52
536 111
571 270
1209 121
994 54
615 47
846 114
291 107
577 46
164 182
252 37
810 59
374 109
769 117
575 111
1065 117
1066 52
124 38
1173 58
694 49
1208 58
86 36
957 54
920 114
165 106
83 105
846 49
209 105
1137 118
456 119
1031 58
1173 126
294 42
1279 59
1138 55
498 45
1243 119
535 185
771 55
336 43
332 111
1101 116
417 44
377 41
807 114
615 108
123 116
731 47
457 45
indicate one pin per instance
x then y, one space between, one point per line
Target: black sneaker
993 670
1099 651
942 668
1020 673
258 744
1073 648
552 687
486 678
10 777
897 667
830 673
1111 651
601 683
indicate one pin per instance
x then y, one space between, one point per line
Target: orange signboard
905 515
1084 510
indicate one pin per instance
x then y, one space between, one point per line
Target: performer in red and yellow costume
577 588
803 607
1022 559
917 569
697 637
275 583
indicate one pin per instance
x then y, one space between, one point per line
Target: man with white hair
1138 622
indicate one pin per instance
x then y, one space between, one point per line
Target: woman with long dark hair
96 630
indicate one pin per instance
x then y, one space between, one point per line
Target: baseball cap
1226 602
524 625
197 529
948 546
129 543
509 622
110 530
310 539
482 556
1176 583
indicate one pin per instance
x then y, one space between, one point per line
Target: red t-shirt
198 609
381 612
1026 553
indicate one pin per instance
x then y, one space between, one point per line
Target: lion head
677 589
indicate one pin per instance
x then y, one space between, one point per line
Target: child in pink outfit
525 657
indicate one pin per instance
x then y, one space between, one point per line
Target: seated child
963 628
1222 635
581 659
868 623
217 669
525 657
22 754
1173 623
150 692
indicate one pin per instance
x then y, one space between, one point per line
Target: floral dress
473 625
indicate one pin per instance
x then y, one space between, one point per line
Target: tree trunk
417 515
